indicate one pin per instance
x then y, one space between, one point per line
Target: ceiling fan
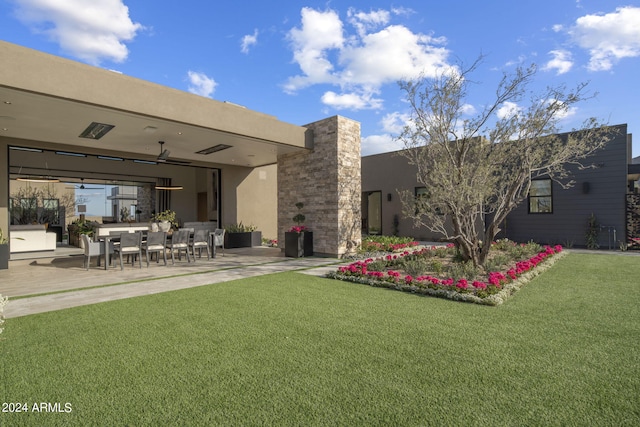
82 187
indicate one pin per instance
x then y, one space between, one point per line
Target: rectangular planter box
297 245
242 240
4 257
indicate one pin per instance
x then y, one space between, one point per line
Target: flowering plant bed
420 271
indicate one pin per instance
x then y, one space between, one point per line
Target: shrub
463 270
415 266
437 267
379 265
497 262
385 243
240 228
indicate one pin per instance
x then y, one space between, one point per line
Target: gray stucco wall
389 172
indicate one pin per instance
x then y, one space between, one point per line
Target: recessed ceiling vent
214 149
96 130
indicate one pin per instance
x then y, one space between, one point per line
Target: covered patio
85 125
88 127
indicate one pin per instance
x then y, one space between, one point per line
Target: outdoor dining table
116 237
106 239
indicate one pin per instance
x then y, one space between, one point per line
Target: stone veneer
327 180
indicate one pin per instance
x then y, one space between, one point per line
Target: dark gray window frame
537 198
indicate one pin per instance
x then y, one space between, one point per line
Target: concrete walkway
29 279
64 280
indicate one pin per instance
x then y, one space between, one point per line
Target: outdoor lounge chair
130 244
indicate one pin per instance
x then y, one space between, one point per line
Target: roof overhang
49 101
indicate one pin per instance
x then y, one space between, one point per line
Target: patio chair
179 242
92 248
156 243
130 244
200 241
218 239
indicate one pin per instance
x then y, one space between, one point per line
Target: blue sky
312 60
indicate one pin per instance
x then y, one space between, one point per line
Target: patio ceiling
49 101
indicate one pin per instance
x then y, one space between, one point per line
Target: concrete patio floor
65 280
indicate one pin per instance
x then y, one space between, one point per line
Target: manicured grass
289 349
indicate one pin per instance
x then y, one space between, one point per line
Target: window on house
540 196
374 212
422 200
51 211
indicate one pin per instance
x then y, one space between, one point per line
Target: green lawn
289 349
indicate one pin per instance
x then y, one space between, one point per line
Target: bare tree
478 170
32 204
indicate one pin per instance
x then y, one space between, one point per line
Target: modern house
207 160
609 191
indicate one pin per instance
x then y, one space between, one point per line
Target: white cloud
248 41
320 32
563 112
392 125
395 122
93 31
392 54
508 109
201 84
375 144
351 101
609 37
561 62
360 62
364 22
468 110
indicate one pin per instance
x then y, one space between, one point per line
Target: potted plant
78 227
4 251
298 241
242 236
166 219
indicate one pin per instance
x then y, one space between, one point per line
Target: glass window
50 211
422 200
374 212
540 197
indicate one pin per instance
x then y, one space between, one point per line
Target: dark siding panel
572 207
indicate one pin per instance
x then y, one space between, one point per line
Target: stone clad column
327 180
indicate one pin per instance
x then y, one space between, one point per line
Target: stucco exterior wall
390 173
603 195
257 200
327 180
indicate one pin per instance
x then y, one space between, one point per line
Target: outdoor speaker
585 188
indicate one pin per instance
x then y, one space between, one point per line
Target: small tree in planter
298 241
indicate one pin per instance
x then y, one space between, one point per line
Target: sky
305 61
